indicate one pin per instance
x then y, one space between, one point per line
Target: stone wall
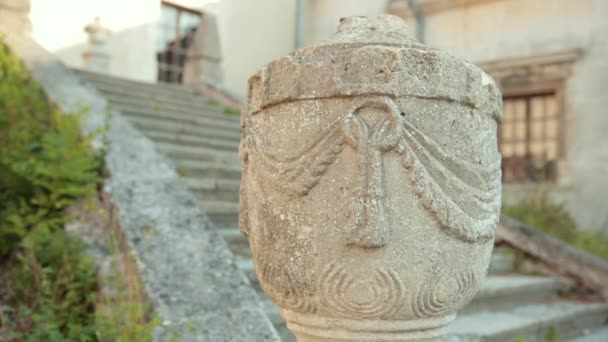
251 34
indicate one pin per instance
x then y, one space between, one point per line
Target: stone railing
589 270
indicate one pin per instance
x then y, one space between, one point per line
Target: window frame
171 67
536 73
528 93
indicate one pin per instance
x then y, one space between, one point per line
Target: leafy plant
53 288
49 290
45 165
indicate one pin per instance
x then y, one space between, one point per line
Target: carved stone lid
381 30
373 55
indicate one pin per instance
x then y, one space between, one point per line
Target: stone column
371 184
204 60
97 57
14 16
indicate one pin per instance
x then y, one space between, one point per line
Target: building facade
148 40
550 59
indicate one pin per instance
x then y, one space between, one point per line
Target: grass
123 312
227 110
182 171
540 213
231 111
212 102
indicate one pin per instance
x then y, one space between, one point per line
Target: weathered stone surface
371 184
186 266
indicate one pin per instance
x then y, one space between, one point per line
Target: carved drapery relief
463 196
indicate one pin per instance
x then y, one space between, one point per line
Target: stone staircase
202 139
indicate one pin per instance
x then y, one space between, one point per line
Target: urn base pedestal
314 328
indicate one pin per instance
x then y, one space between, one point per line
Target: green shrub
45 165
54 289
539 212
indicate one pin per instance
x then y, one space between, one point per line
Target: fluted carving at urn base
314 328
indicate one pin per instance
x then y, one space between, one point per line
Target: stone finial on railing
97 57
371 184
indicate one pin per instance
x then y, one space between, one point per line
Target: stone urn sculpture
371 184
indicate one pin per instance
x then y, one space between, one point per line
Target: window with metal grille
529 138
178 25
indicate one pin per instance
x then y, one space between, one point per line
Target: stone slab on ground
209 169
600 335
188 270
507 291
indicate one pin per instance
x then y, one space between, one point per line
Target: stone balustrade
96 57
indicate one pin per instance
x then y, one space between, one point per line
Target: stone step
556 321
196 168
507 291
178 114
193 140
155 95
599 335
176 151
247 267
148 125
238 243
135 95
503 261
213 189
532 323
222 214
166 91
152 103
